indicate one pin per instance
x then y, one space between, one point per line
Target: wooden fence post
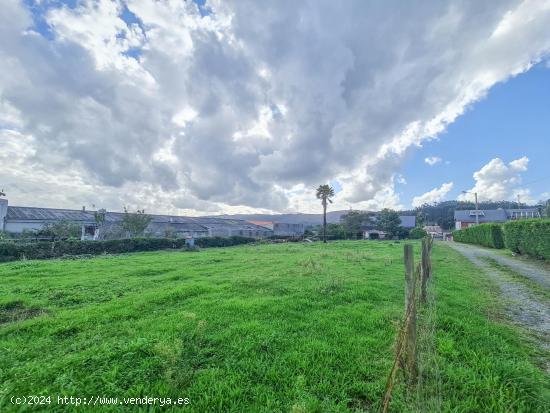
410 313
425 270
409 274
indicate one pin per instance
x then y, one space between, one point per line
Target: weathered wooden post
409 274
425 269
410 313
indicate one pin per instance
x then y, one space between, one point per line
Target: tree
389 222
99 218
336 231
353 221
60 230
324 193
135 223
417 233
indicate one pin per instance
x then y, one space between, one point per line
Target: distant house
370 230
282 228
16 219
466 218
434 230
374 234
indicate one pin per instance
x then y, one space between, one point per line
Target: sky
243 106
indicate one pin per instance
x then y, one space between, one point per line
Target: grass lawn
270 328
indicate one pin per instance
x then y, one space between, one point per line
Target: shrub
10 251
488 235
417 233
222 242
530 236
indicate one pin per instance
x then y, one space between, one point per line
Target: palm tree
324 193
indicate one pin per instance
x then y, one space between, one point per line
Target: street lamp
477 210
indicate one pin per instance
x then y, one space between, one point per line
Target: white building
282 229
467 218
16 220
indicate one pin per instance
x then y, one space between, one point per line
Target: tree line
387 220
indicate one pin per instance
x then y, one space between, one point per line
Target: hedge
488 235
417 233
529 236
10 251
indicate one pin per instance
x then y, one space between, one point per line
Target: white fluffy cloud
499 181
247 107
432 160
435 195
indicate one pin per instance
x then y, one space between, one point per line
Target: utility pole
519 204
477 210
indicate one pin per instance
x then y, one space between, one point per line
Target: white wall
18 227
3 212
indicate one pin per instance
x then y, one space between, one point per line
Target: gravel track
524 308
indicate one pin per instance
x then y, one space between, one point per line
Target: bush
530 236
417 233
488 235
222 242
10 251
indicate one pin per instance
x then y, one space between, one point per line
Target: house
370 230
466 218
282 229
16 220
374 234
435 231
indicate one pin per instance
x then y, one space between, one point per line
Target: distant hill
306 219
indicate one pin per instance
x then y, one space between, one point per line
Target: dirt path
533 272
525 308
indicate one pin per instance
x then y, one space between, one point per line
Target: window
89 230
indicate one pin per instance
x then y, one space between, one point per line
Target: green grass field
267 328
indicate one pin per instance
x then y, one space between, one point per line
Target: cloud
498 181
432 160
236 108
435 195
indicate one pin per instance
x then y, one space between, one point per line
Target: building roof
408 221
16 213
265 224
236 224
177 227
490 215
47 214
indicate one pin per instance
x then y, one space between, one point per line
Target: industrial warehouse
18 219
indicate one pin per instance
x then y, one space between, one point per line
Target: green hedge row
530 236
417 233
488 235
10 251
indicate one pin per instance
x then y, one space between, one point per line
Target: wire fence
415 355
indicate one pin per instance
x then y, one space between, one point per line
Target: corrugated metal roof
408 221
488 215
176 226
16 213
47 214
265 224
